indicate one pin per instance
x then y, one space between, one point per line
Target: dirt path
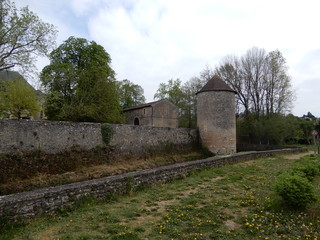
298 155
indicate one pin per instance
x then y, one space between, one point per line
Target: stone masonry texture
54 137
216 121
47 200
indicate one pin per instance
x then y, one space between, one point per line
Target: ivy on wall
107 133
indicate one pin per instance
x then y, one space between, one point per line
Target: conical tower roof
216 84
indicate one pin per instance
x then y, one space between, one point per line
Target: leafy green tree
23 36
188 117
184 96
307 123
174 93
129 94
18 99
80 83
171 91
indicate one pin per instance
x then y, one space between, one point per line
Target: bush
107 133
295 190
308 167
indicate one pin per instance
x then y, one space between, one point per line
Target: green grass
230 202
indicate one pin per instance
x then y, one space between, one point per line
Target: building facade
160 113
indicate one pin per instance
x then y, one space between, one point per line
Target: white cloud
153 41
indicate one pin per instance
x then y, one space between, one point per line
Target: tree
80 83
261 81
171 91
174 93
23 36
129 94
278 93
188 117
264 95
183 96
17 99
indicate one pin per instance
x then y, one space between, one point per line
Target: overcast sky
152 41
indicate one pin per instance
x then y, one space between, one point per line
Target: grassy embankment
36 169
230 202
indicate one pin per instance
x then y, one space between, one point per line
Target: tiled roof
216 84
141 106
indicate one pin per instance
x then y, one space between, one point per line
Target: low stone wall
242 147
29 204
54 137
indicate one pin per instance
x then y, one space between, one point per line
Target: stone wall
29 204
53 137
216 121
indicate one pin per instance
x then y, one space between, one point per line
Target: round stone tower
216 118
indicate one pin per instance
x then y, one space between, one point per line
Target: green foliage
273 129
80 83
306 124
171 91
184 97
23 36
18 99
310 168
294 185
129 94
126 236
107 133
295 190
54 106
207 204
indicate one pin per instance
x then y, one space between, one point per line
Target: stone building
160 113
216 116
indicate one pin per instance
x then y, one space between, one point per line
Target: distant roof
216 84
141 106
12 75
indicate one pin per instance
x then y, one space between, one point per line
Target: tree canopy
183 96
23 36
17 99
171 91
261 80
80 83
129 94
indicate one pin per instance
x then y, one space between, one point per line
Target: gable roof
140 106
216 84
150 104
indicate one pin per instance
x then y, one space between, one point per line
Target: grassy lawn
230 202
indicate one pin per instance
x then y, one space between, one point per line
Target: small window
144 111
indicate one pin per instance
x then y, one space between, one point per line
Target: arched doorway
136 121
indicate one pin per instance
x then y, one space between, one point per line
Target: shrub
295 190
308 167
107 133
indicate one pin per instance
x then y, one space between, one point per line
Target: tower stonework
216 118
